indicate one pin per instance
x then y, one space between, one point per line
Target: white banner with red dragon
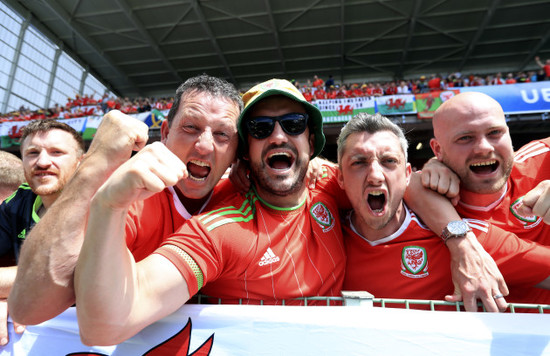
296 330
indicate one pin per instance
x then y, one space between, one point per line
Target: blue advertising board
518 98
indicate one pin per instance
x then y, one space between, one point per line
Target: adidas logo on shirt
268 258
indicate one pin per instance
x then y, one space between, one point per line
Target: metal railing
365 299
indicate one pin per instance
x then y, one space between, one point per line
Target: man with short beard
51 152
281 241
510 190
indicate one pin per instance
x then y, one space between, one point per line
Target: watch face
457 227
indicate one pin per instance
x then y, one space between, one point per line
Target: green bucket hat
286 88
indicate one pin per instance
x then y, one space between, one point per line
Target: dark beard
266 183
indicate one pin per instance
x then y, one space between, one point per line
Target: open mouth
376 200
198 170
280 160
486 167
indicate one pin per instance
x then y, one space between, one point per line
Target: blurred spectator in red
497 80
77 101
169 104
307 94
317 82
476 81
510 79
367 89
545 66
111 104
320 93
345 91
378 90
356 91
434 83
332 93
391 89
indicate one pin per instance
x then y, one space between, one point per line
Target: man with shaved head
511 190
472 138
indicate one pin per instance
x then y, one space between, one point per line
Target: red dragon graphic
414 258
15 132
345 110
396 104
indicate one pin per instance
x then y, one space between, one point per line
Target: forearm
44 284
104 276
116 297
436 211
475 274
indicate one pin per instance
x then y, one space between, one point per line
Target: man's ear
340 177
408 172
164 130
436 148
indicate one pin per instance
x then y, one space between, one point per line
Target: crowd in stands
318 89
87 105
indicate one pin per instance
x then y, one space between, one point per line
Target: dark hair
204 83
46 125
372 124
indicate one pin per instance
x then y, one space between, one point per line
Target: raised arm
116 297
475 274
539 63
43 287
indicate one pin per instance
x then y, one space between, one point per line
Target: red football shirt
246 248
149 222
414 263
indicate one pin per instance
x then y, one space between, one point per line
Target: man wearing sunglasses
281 241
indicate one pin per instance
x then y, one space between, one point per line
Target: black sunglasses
262 126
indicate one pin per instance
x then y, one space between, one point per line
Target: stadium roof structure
146 48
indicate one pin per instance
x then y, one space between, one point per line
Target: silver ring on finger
498 295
